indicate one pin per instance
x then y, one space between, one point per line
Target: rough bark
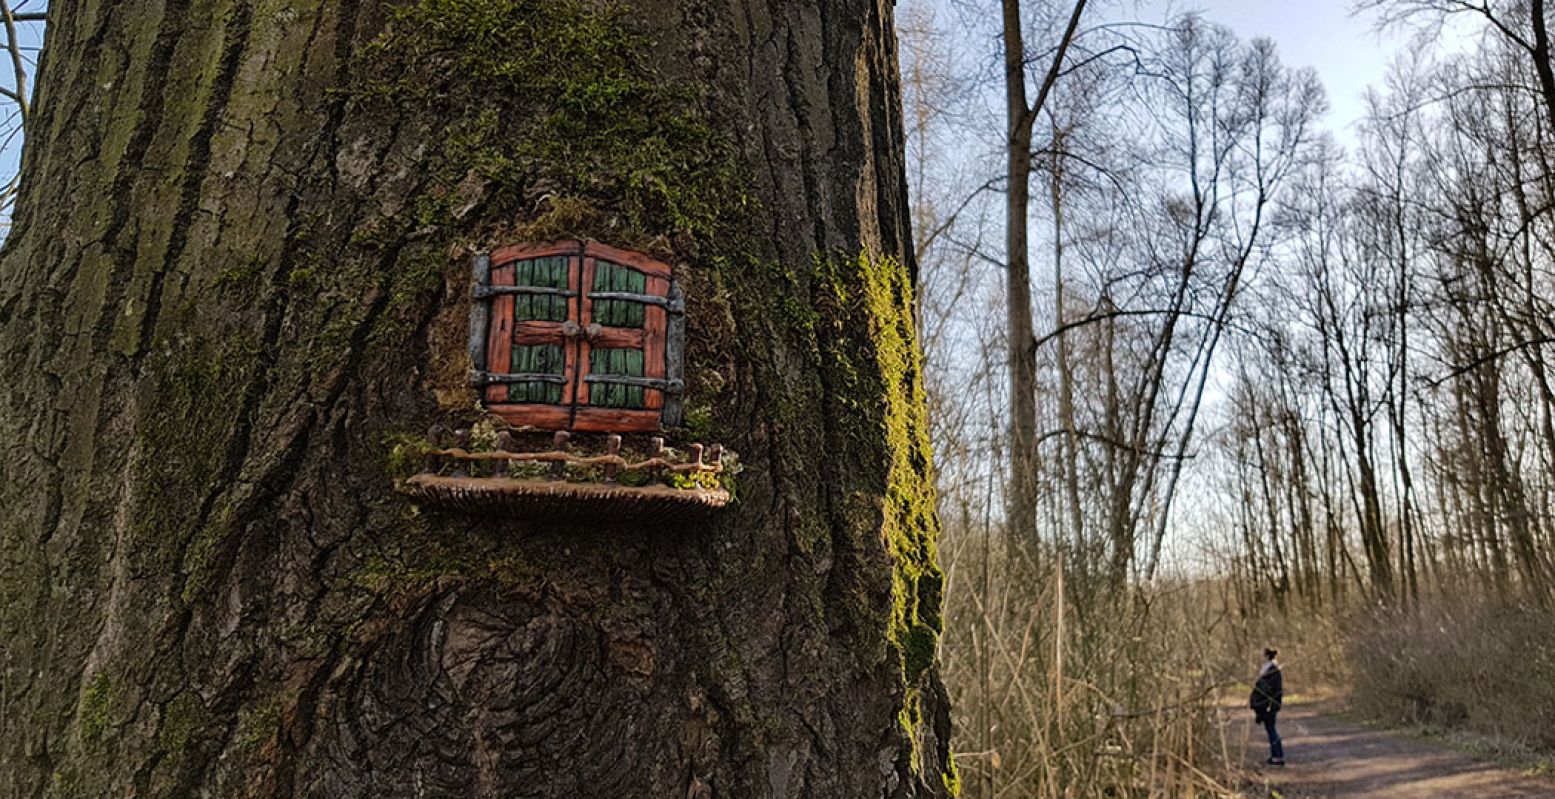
237 277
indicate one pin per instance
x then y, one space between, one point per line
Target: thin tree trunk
1065 368
1022 499
1020 116
1540 55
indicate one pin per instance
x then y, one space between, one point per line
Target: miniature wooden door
579 336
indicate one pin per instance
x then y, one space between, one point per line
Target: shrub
1483 666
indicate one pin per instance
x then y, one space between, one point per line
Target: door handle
571 329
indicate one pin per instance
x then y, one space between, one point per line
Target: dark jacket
1268 693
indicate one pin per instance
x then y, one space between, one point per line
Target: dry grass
1064 690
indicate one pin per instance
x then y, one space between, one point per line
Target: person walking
1268 694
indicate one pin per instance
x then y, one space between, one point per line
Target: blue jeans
1276 749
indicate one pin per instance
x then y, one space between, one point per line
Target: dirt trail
1335 759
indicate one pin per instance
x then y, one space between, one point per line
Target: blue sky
1346 49
30 34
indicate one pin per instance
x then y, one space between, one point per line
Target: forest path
1330 758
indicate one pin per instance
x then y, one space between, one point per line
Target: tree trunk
1539 54
1066 413
238 277
1025 467
1021 499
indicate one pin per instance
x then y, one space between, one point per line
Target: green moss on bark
910 526
880 377
419 558
951 778
184 717
182 447
92 717
553 101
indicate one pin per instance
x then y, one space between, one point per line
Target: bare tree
1021 115
1524 24
23 38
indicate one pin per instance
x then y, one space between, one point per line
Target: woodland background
1281 391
